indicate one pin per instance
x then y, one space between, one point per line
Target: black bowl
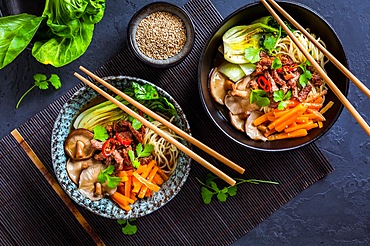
142 14
308 18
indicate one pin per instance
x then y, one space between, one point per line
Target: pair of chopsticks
328 81
170 139
54 184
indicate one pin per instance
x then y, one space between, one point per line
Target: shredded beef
302 95
96 144
271 80
316 79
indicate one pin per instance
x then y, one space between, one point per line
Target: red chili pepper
108 147
123 140
264 83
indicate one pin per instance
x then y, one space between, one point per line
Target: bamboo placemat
32 213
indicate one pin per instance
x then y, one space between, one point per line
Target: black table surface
335 210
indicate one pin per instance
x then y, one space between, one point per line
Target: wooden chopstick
54 184
167 137
332 58
322 73
157 117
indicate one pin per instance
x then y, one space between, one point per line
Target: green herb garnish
279 96
306 75
42 82
140 152
210 188
100 133
276 63
252 54
127 228
104 175
259 97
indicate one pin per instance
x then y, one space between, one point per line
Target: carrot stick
288 121
280 113
313 105
263 118
128 186
148 169
149 178
141 169
121 189
319 116
147 183
302 119
136 184
286 116
269 132
326 107
284 135
320 124
121 198
162 174
310 116
157 179
299 126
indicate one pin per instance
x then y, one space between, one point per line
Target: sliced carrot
133 196
121 198
141 169
319 100
288 121
313 105
302 119
148 193
263 118
157 179
299 126
284 135
287 116
128 186
319 116
320 124
148 169
292 103
314 125
150 179
136 185
280 113
162 174
121 189
326 107
310 116
147 183
123 206
271 118
269 132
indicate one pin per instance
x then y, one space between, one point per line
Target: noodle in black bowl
84 99
212 57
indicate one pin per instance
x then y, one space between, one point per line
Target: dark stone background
333 211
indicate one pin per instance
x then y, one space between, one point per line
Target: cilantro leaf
279 96
100 133
222 197
276 63
210 188
305 77
252 54
104 176
140 152
136 124
55 81
259 97
39 77
270 43
128 229
41 82
282 105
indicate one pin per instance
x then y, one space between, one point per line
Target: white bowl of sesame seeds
161 34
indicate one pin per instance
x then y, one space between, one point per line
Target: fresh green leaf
210 188
259 97
55 81
128 229
145 92
104 176
270 42
232 190
113 182
100 133
148 148
282 105
206 195
252 54
42 84
276 63
136 124
305 77
39 77
278 95
17 32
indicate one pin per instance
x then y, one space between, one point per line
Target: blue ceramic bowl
105 207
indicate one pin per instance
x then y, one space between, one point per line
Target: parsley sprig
100 133
128 229
210 188
282 98
306 75
259 97
42 82
105 175
140 152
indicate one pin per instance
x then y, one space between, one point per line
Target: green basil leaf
16 32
